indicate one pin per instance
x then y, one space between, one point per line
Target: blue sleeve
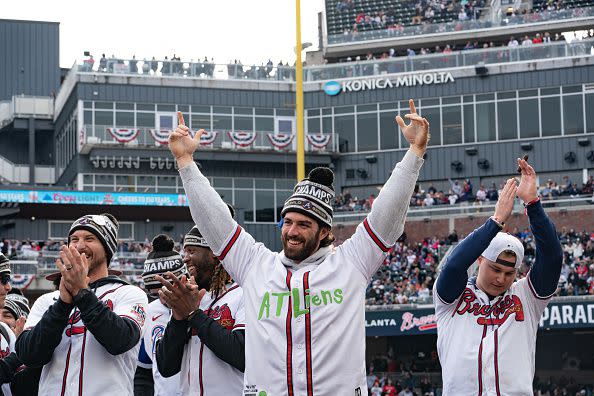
143 356
545 273
454 273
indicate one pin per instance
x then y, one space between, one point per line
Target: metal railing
462 26
99 134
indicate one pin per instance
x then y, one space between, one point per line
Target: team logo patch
138 313
306 205
156 335
222 314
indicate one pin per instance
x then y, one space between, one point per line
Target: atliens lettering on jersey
325 297
495 314
73 328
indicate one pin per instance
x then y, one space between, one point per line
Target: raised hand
181 143
505 203
74 269
417 132
527 190
19 326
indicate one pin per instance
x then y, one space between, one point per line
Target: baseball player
305 306
204 340
486 325
160 260
86 335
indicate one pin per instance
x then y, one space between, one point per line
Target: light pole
299 96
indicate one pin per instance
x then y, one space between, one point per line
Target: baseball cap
502 242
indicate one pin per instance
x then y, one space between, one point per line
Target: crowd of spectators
409 271
462 191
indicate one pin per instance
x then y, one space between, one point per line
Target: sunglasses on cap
97 219
4 279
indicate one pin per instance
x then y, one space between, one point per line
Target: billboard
92 198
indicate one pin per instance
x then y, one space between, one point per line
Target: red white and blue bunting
21 281
123 135
242 139
208 137
280 140
319 141
161 136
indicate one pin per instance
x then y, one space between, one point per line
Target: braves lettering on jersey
6 348
82 366
305 325
157 317
202 372
486 347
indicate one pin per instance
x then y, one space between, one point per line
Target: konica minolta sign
407 80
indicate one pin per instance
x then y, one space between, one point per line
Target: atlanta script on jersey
202 372
479 341
82 366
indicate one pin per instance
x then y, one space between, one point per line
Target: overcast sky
251 31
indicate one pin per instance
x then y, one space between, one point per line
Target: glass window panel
104 118
450 100
183 108
244 183
388 131
87 179
166 181
264 111
243 123
104 179
572 88
506 95
573 114
285 112
389 106
550 116
87 104
281 197
265 206
222 182
164 107
285 184
144 106
344 109
485 122
345 128
404 106
527 93
507 116
483 97
367 107
226 194
327 111
244 199
264 124
313 112
468 98
549 91
145 180
468 123
243 110
221 109
104 105
88 114
124 106
429 102
590 113
432 115
200 109
124 119
327 124
125 183
265 183
367 131
200 121
105 188
529 118
221 123
145 120
313 125
452 124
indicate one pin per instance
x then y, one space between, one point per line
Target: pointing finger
180 118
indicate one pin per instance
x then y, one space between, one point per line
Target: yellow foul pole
299 97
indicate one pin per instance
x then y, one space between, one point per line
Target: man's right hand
505 203
181 143
64 293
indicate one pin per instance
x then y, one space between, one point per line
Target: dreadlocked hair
220 279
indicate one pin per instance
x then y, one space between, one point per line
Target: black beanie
160 260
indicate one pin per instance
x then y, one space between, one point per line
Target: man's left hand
74 270
181 295
527 190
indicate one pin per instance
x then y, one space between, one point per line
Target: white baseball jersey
82 366
157 317
202 372
6 348
487 347
305 330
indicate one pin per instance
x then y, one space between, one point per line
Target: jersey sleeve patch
137 314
